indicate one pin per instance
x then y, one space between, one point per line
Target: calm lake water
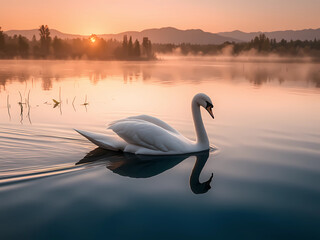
266 166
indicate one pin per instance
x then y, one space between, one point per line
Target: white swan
151 136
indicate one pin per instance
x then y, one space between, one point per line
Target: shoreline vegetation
260 48
92 48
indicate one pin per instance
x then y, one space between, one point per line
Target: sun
93 38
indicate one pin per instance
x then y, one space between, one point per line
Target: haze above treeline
177 36
146 45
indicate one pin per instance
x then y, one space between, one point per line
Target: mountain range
176 36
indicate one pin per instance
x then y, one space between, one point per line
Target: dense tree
136 49
34 47
261 43
125 46
59 48
23 46
130 50
2 46
147 48
101 49
130 47
11 47
45 40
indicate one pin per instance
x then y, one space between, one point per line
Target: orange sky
114 16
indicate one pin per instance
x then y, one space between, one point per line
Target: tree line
100 49
260 45
94 48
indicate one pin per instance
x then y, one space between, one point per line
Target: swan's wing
109 142
149 135
149 119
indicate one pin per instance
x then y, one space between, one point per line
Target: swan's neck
195 184
202 138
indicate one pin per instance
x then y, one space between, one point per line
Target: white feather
148 135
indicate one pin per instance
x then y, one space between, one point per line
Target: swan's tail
104 141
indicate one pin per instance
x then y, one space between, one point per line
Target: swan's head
204 101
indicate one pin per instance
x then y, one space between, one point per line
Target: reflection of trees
3 82
260 76
131 73
255 73
6 78
46 83
175 72
315 78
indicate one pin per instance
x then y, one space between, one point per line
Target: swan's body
151 136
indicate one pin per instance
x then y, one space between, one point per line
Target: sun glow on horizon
93 38
107 17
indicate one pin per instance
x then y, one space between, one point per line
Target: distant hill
161 35
29 34
306 34
176 36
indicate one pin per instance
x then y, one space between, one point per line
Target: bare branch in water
73 104
28 105
8 106
85 103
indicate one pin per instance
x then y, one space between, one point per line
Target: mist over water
226 54
265 169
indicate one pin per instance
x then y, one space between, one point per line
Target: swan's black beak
209 109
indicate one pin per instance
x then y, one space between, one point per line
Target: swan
147 135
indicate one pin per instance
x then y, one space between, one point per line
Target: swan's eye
209 105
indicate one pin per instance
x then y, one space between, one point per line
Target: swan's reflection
143 166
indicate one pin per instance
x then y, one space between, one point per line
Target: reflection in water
58 103
195 184
74 108
161 72
22 106
272 129
8 107
85 104
146 166
91 81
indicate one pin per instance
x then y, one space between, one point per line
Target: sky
114 16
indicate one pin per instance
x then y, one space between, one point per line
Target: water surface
54 184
